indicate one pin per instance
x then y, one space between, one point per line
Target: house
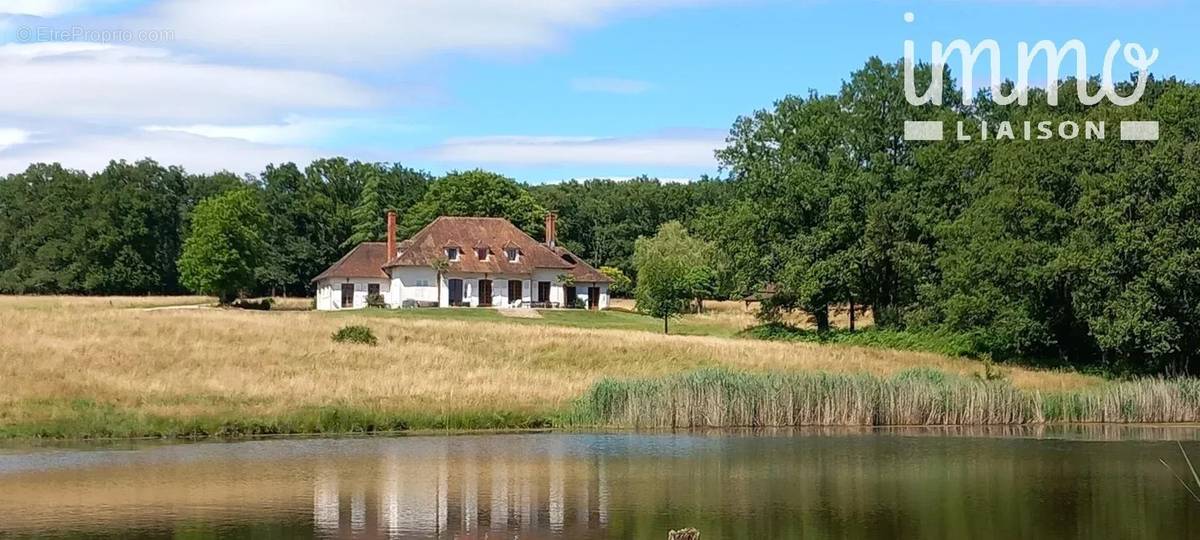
463 261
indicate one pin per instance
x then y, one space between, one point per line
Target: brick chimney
391 234
551 229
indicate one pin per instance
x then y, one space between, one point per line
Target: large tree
476 193
225 245
395 188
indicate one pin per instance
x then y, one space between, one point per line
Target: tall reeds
722 398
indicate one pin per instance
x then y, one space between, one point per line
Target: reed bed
713 398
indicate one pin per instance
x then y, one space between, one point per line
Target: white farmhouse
463 261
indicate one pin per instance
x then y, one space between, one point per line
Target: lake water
1096 482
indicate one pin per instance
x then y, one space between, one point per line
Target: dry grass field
111 367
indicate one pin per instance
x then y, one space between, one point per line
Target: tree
621 285
225 245
476 193
671 267
600 219
384 188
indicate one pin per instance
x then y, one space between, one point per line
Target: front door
570 297
593 297
514 290
456 292
543 292
485 293
347 295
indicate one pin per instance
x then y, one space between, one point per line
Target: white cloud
609 85
679 149
91 152
12 137
294 129
370 32
97 82
50 8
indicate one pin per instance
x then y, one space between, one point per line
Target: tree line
122 230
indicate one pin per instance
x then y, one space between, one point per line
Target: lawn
120 367
719 324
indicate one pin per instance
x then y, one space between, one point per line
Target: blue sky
541 91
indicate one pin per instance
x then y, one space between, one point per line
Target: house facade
463 262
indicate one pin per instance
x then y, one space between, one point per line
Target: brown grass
189 363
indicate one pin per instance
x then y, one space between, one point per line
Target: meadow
129 367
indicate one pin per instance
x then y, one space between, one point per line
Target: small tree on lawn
224 248
670 268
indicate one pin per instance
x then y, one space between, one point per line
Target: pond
1093 482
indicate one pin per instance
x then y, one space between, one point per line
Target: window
452 254
482 253
372 288
543 291
421 283
513 254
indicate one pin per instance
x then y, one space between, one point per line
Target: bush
376 300
355 334
259 305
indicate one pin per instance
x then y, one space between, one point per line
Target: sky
539 91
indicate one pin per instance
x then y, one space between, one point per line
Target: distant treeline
1085 251
121 230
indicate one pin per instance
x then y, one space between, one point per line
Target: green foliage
224 247
935 341
476 193
376 301
1078 250
601 219
355 334
384 188
621 286
118 231
672 271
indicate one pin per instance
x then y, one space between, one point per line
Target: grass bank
916 397
93 367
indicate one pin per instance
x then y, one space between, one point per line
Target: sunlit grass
93 366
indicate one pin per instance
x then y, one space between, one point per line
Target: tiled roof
583 272
369 259
364 261
430 243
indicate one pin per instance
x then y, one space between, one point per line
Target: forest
1084 251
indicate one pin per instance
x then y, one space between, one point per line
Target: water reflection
818 483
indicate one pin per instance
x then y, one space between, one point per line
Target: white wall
420 284
414 283
329 292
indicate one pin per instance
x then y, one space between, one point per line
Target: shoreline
1073 431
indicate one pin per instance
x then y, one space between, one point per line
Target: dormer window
482 253
452 254
513 254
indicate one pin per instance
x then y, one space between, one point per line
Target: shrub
376 300
259 305
355 334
